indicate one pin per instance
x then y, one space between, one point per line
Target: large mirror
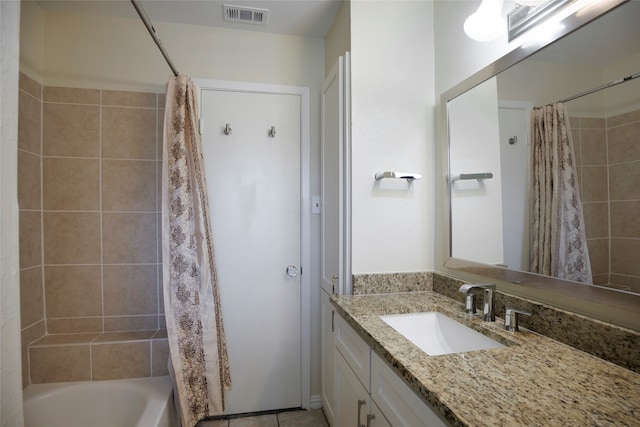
490 160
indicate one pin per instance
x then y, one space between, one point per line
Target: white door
253 180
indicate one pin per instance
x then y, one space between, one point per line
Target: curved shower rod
154 36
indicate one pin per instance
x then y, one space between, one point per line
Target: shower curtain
559 244
198 354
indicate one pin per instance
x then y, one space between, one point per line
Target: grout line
101 216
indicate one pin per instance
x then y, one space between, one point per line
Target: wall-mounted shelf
468 176
398 175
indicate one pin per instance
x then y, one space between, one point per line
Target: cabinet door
400 405
351 404
327 364
376 419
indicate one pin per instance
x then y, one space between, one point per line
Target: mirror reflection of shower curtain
559 243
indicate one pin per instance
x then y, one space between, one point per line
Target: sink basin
436 334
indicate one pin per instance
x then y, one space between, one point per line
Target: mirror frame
613 306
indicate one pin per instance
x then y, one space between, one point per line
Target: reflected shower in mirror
490 133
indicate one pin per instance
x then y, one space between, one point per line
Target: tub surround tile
130 323
71 130
129 185
623 181
31 296
73 291
70 95
111 337
29 123
625 118
120 360
60 363
129 238
129 133
29 335
494 387
623 143
71 184
624 219
29 180
129 99
72 238
30 235
159 357
30 86
65 339
130 289
74 325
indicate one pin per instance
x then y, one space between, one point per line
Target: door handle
360 403
292 271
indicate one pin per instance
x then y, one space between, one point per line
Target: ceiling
303 18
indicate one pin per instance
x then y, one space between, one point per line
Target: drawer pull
360 403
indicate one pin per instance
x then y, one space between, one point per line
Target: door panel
253 180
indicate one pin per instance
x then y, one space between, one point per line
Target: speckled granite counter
534 381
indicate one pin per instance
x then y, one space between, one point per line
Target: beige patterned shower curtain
192 303
559 244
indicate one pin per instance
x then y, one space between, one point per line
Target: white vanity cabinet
327 346
367 392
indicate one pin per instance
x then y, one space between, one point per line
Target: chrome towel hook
227 129
272 132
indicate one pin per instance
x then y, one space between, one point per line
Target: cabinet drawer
400 405
355 351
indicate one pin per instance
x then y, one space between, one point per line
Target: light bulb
487 22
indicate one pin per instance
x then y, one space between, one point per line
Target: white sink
435 334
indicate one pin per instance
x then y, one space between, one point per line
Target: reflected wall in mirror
489 132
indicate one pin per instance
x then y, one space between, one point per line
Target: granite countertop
533 381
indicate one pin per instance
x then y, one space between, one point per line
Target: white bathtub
138 402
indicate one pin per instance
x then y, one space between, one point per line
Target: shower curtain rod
154 36
605 86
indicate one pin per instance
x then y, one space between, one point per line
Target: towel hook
227 129
272 132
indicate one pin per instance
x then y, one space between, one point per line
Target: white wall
119 54
10 360
392 129
338 39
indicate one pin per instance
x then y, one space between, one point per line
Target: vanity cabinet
367 392
327 347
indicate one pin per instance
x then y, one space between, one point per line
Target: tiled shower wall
89 168
608 153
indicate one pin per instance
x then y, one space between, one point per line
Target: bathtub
137 402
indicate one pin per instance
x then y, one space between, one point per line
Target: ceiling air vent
246 15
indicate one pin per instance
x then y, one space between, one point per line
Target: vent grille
246 15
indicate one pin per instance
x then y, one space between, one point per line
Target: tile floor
297 418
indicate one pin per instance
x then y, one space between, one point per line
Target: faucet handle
511 318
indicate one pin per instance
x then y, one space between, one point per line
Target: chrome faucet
489 295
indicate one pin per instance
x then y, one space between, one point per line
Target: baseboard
315 402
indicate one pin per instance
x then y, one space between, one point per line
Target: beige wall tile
159 357
29 180
129 99
116 337
599 255
162 100
592 123
130 323
593 146
129 238
600 279
624 181
594 184
71 95
60 363
126 360
73 291
74 325
596 219
130 289
31 296
30 232
625 221
160 135
71 184
625 254
129 133
30 334
632 282
29 123
71 130
625 118
623 143
129 185
71 238
30 86
65 339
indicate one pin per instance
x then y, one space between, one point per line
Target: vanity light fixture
487 23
